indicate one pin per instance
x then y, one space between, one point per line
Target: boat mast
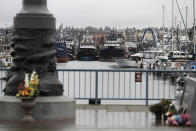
163 26
172 25
180 35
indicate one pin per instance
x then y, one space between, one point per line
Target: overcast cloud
120 13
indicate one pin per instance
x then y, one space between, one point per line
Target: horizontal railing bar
128 70
121 70
120 99
3 69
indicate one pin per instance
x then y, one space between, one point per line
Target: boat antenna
163 25
178 38
172 25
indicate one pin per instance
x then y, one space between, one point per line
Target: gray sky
120 13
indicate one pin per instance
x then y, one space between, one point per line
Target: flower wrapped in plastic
29 88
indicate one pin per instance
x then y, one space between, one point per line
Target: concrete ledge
54 108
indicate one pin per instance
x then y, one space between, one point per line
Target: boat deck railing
97 85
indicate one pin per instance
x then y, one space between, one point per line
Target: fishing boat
148 58
61 51
87 49
71 51
112 47
131 62
6 49
5 60
166 39
180 56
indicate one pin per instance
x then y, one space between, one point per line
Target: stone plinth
189 99
54 108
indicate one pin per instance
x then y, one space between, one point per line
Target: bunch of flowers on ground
177 118
29 88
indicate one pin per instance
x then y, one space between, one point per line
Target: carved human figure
33 44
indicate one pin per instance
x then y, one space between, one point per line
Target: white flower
32 76
27 79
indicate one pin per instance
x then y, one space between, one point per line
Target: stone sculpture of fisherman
34 38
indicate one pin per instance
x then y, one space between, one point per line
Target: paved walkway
103 118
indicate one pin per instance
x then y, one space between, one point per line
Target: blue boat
61 51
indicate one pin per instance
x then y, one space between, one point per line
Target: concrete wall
46 109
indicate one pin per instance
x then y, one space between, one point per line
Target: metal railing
3 75
118 84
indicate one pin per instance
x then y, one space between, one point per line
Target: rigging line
181 14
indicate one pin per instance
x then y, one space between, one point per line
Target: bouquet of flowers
29 88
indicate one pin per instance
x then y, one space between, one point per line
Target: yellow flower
31 89
32 83
21 93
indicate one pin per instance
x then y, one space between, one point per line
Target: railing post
96 88
146 88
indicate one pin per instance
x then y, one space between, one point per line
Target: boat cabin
179 55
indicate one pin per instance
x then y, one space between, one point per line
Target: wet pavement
101 118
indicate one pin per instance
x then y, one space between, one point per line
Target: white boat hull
127 63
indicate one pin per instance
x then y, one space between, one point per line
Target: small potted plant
28 91
160 108
166 105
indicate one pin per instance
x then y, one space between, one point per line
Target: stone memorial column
34 49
